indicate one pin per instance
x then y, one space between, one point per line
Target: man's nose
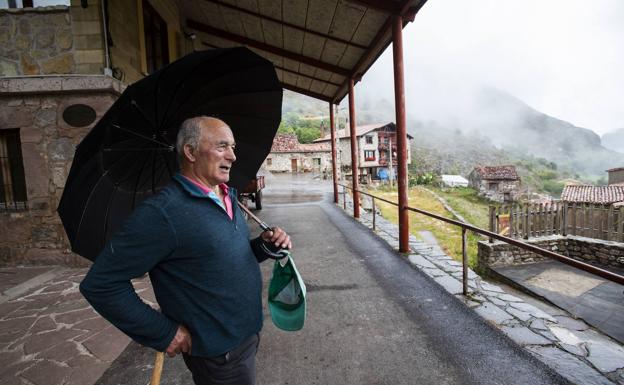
230 154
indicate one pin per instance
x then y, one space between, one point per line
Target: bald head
190 132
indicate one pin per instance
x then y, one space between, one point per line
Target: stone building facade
496 183
61 69
288 155
377 144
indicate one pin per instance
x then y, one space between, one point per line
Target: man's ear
188 153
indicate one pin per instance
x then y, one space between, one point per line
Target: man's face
215 154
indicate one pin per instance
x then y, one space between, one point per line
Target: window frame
12 173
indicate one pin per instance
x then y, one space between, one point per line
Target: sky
564 58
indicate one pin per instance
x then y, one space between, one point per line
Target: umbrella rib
134 104
143 136
138 180
110 200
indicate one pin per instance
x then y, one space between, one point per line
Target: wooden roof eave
406 8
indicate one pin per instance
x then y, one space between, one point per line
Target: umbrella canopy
130 153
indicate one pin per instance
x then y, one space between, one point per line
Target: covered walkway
372 318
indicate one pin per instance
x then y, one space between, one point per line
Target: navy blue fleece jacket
203 267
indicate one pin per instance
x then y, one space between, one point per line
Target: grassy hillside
448 236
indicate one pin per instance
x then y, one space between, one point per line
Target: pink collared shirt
227 205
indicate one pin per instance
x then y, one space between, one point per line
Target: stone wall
35 105
36 41
594 251
281 161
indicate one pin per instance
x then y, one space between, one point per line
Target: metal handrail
526 246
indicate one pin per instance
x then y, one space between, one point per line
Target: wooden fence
558 218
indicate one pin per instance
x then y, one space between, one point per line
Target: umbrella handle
158 367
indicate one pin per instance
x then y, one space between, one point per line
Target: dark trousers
236 367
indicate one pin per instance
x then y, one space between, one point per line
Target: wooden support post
573 218
527 221
564 218
332 126
511 220
621 224
492 214
399 103
354 152
610 217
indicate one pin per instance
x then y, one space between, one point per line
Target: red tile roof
290 143
497 172
593 194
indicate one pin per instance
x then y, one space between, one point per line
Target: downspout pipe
108 71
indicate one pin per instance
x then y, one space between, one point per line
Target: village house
594 195
376 146
61 68
497 183
288 155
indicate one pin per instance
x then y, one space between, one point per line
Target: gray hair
190 132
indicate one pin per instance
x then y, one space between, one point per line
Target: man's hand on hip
181 342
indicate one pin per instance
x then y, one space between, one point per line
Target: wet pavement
374 317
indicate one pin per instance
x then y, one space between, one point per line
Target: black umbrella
129 154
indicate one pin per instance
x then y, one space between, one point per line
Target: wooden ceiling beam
307 76
302 91
284 23
266 47
385 6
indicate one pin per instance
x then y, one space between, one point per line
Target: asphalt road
372 318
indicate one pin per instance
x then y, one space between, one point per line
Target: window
316 161
156 39
493 186
31 3
369 139
269 161
369 155
12 181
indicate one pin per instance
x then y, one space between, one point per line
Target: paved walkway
48 332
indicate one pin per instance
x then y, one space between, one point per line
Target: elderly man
193 240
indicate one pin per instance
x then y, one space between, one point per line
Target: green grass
467 203
448 236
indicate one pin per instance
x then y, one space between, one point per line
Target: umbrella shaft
263 225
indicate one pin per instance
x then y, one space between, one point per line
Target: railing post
374 213
464 262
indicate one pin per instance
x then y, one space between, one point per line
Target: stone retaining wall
595 251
